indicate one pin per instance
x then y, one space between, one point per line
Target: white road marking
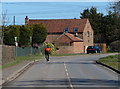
68 77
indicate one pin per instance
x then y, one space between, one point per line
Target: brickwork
65 50
78 47
88 35
8 54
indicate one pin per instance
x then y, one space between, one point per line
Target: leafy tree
95 20
10 32
106 28
25 33
39 33
112 23
110 28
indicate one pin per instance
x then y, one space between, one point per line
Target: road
69 72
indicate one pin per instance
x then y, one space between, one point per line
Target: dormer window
75 29
66 30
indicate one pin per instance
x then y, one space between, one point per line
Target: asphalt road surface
69 72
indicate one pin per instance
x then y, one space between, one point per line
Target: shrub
39 33
115 46
52 51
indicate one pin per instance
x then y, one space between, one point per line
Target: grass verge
68 54
19 59
113 61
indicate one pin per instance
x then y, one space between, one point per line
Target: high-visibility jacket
47 49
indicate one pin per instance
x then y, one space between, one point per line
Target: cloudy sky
58 0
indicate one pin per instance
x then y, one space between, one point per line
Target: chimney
76 34
26 20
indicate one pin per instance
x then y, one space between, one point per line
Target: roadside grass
74 54
68 54
20 59
113 61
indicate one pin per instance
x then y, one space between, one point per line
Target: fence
8 53
25 51
0 55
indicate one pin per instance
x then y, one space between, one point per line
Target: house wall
65 50
78 47
88 39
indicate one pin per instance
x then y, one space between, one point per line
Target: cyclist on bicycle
47 52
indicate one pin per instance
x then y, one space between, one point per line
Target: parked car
93 49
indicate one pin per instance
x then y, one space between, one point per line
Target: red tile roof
73 38
59 25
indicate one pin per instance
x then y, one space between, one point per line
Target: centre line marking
68 77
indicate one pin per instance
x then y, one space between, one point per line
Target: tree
95 20
110 28
106 28
25 34
112 23
4 22
115 8
10 32
39 33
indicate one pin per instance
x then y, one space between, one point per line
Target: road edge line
68 77
18 73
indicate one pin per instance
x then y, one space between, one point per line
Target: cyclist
47 52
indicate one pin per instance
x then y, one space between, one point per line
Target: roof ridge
58 25
59 19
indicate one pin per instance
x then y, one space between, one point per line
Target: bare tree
4 22
115 7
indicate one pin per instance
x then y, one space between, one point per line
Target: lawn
113 61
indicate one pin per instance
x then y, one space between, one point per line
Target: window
88 34
66 30
88 41
75 29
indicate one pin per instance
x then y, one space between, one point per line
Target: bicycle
47 55
47 52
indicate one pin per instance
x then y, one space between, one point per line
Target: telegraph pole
13 20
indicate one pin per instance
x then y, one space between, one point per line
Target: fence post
31 44
104 47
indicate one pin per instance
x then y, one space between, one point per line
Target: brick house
66 33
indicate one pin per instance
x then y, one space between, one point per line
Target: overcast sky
58 0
